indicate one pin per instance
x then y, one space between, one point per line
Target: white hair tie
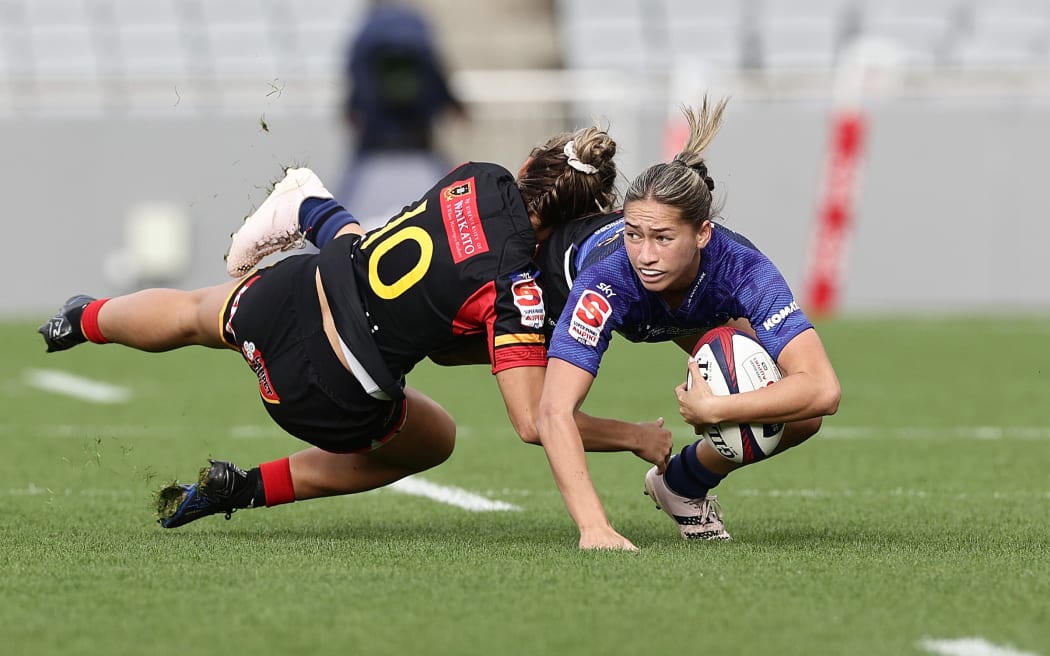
574 161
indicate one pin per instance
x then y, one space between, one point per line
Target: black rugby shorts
273 318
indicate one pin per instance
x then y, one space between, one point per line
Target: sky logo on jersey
528 298
459 209
773 321
589 317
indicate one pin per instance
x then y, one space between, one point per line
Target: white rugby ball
732 362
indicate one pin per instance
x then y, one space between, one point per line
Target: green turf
923 512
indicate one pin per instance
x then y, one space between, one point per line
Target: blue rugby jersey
735 280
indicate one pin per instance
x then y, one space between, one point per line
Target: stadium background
106 105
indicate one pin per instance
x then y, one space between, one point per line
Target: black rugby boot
221 488
62 331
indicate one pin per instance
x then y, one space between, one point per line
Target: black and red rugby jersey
456 262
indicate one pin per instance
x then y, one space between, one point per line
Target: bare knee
443 443
428 436
529 434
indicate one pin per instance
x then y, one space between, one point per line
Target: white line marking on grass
925 432
246 432
453 496
34 490
890 492
970 647
414 486
84 389
917 433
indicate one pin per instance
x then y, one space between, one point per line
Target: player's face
663 248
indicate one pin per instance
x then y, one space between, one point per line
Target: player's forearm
797 397
600 434
564 448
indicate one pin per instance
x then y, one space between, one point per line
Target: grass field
921 512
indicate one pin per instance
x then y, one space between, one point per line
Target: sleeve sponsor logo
528 298
589 317
459 209
773 321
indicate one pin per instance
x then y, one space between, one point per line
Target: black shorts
274 318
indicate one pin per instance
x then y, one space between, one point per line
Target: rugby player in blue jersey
676 276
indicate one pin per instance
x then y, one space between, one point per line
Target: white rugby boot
697 519
275 225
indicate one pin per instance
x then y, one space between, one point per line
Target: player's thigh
209 306
427 437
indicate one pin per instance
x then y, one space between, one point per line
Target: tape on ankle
687 476
321 219
277 482
89 322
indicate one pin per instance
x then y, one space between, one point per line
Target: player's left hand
695 404
655 443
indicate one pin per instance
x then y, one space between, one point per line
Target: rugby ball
732 362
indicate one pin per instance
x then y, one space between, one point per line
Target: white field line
898 492
413 485
915 433
926 432
969 647
33 490
452 496
84 389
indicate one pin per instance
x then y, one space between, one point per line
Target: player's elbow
828 399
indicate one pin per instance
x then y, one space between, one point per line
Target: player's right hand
605 538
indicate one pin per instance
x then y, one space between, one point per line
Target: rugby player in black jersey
331 336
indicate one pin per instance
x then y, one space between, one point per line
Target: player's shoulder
477 180
732 240
480 170
733 250
568 238
595 225
612 275
482 191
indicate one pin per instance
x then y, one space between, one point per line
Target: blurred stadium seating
112 55
777 35
93 88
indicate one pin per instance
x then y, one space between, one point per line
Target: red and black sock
276 479
86 320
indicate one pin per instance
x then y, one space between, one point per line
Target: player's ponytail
684 182
570 177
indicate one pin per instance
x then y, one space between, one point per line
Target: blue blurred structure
398 90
